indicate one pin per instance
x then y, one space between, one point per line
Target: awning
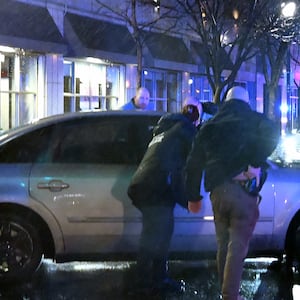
29 27
97 38
168 52
200 54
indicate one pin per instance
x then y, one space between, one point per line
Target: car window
106 140
26 148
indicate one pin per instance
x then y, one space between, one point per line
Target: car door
197 231
263 233
83 181
194 231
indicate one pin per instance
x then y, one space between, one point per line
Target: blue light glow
284 108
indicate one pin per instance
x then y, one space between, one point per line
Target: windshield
287 152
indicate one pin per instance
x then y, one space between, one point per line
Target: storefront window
112 87
91 85
164 87
18 88
200 88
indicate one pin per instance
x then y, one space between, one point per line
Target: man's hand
253 172
194 206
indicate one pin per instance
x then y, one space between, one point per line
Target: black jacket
158 179
226 144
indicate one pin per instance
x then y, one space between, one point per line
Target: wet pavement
262 279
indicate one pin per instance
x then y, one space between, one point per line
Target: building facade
61 56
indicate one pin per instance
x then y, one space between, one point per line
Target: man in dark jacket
155 188
232 149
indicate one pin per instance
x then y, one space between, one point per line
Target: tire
20 248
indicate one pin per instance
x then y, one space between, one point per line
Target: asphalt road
262 279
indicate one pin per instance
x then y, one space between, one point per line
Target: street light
286 24
288 10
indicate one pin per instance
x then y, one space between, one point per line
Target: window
200 88
164 88
102 141
92 84
18 92
28 148
92 140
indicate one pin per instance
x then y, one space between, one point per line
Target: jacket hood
169 120
235 105
231 109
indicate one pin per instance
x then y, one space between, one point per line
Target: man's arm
193 172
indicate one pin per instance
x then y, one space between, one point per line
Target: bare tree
227 34
140 16
279 32
273 59
231 32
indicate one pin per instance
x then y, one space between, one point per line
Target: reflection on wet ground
262 279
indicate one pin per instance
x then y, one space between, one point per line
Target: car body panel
285 182
14 189
14 182
93 205
83 200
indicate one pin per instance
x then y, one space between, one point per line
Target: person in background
155 188
231 149
140 101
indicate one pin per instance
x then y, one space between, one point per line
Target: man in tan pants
232 149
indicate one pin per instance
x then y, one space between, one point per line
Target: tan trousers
235 216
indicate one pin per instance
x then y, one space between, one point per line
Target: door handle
53 185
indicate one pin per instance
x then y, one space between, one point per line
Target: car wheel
293 245
20 248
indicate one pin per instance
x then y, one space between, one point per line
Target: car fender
14 190
52 224
286 186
